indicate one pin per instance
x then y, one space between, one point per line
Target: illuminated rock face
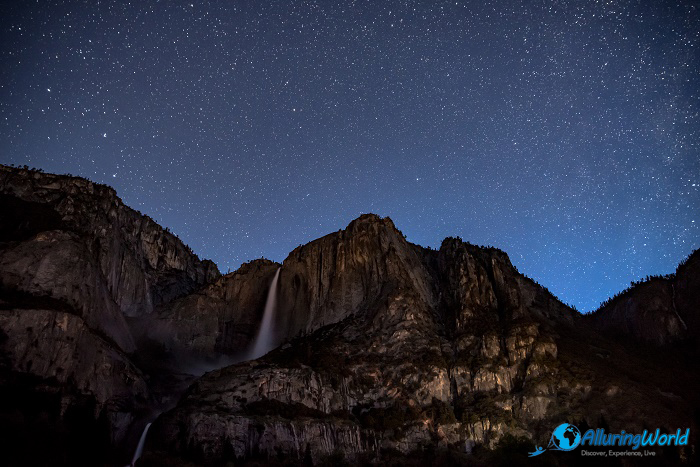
399 347
395 348
387 347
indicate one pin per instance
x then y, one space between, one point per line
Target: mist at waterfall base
265 340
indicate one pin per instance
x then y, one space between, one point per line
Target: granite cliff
392 351
75 266
388 351
658 310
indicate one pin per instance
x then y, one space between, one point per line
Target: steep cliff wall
660 310
142 264
75 263
348 272
399 348
222 317
321 283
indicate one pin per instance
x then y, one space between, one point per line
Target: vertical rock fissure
502 310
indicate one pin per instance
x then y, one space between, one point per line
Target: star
564 136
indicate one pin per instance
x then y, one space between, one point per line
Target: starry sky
565 132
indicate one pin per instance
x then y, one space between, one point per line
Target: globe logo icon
565 437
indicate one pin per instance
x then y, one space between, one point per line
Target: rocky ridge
75 265
387 350
659 310
399 349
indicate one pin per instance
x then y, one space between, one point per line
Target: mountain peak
370 219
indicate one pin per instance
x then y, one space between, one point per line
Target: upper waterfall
264 341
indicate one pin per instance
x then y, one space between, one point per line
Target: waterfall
264 340
675 310
139 448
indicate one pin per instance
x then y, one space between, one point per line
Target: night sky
566 133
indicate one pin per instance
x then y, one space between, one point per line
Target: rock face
660 310
76 364
392 348
142 264
75 264
388 351
220 318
